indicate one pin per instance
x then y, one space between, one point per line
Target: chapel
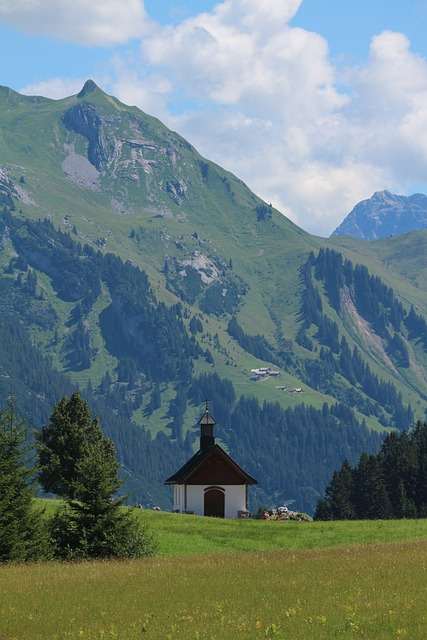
211 483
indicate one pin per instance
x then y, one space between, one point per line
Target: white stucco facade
191 497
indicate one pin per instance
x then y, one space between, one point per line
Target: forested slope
152 279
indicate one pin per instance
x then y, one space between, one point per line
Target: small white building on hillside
211 483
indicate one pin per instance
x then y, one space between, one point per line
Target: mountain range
385 215
152 279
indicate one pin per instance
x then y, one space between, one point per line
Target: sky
315 104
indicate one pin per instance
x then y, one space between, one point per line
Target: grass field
182 535
371 592
188 535
232 579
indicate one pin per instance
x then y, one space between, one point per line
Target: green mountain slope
152 278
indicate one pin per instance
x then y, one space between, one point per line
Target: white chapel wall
235 499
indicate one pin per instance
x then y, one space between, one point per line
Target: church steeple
207 423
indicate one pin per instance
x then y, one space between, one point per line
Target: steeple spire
207 423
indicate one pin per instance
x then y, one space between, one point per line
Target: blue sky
348 25
314 103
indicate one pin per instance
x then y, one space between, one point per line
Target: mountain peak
89 87
382 194
383 215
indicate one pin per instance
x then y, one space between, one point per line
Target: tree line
389 484
134 326
377 304
291 452
76 462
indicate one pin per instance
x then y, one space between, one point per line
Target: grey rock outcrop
177 190
7 189
385 214
84 120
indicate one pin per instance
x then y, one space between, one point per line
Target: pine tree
338 498
79 462
61 444
23 534
94 524
405 506
371 498
323 510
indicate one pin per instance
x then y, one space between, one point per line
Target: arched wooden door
215 502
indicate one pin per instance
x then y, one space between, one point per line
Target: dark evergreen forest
390 484
377 304
291 452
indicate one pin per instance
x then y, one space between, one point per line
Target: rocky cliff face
7 189
84 120
385 215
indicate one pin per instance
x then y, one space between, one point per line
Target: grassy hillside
182 535
158 276
403 257
400 261
129 211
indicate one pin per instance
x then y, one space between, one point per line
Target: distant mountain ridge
151 279
383 215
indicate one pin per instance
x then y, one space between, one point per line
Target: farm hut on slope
211 483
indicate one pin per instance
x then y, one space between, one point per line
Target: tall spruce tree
62 442
79 463
337 504
23 533
391 484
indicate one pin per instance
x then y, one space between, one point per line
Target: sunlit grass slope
188 535
371 592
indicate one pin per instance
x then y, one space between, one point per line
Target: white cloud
278 120
282 123
139 87
89 22
264 99
55 88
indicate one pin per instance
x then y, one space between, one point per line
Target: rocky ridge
383 215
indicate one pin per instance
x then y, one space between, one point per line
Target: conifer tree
23 535
391 484
337 504
62 442
371 499
79 463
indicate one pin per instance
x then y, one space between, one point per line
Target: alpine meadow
150 279
213 420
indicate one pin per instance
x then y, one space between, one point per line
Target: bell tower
207 424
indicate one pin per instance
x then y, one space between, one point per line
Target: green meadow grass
182 535
374 592
216 579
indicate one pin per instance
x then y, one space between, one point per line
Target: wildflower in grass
272 631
